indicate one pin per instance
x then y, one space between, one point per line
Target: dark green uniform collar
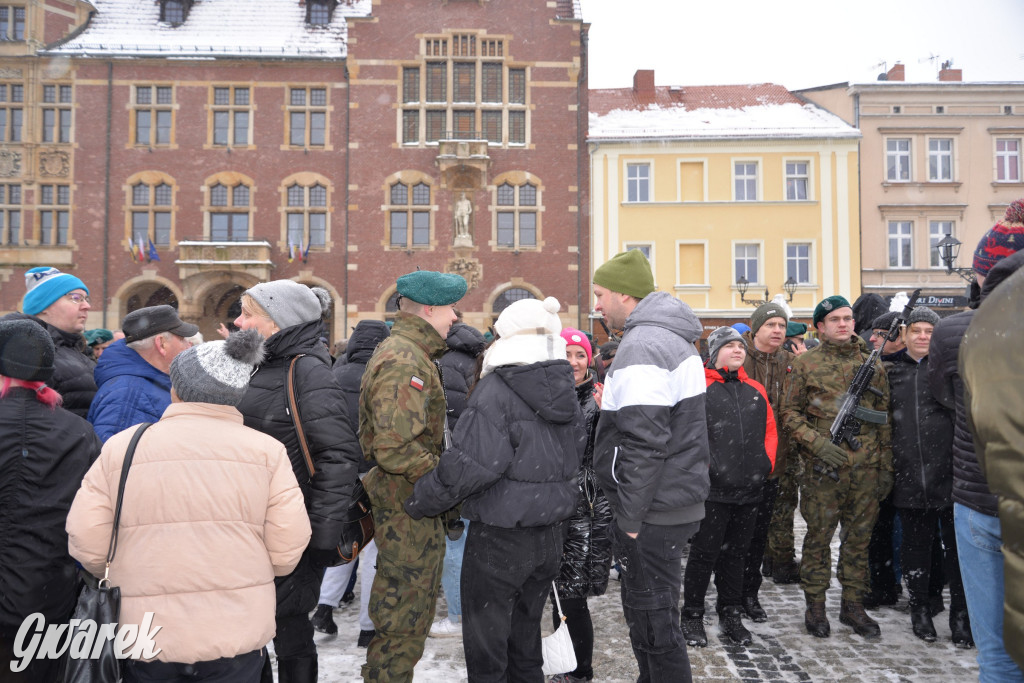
854 344
420 332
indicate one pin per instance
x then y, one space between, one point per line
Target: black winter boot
731 626
752 608
692 623
323 620
853 615
816 621
786 572
921 622
960 625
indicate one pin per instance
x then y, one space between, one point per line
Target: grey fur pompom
325 298
245 346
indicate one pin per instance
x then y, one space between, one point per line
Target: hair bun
551 305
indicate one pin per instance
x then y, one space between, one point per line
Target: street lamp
743 285
948 248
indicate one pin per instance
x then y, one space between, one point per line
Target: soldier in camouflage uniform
401 426
819 379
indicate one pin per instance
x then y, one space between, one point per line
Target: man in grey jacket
651 455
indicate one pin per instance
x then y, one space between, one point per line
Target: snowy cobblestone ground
782 649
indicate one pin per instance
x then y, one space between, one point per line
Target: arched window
307 215
409 211
229 209
508 296
151 212
516 209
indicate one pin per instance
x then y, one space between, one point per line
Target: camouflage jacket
771 370
819 379
401 411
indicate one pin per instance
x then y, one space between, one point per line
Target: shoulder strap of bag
558 603
128 457
293 407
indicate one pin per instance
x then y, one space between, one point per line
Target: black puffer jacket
44 454
349 374
332 442
72 368
516 453
970 487
922 437
458 364
588 547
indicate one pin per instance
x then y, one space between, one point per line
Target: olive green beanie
626 273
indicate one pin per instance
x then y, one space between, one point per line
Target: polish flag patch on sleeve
416 383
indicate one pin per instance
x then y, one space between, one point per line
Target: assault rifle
851 414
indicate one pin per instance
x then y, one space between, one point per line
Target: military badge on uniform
416 383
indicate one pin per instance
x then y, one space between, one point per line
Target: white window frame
707 273
900 237
935 161
906 156
640 246
786 176
736 177
637 163
759 260
811 265
1007 161
938 228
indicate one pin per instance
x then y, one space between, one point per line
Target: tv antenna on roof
932 57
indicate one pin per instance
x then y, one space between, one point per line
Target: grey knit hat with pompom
289 303
218 371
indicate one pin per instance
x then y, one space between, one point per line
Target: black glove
832 455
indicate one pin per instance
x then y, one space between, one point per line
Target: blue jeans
978 540
451 576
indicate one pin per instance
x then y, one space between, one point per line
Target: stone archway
221 304
143 292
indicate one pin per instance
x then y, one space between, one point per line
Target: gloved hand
886 478
832 455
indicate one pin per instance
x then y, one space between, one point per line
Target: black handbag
357 528
101 603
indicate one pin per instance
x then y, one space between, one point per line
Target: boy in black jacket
742 437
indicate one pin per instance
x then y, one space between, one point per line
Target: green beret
431 288
827 306
794 329
98 336
626 273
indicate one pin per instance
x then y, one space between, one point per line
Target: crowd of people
507 468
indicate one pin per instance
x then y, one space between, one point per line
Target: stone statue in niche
463 216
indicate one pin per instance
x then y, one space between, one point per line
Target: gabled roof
214 28
761 110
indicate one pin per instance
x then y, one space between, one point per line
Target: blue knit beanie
45 285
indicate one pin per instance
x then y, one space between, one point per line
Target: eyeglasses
78 299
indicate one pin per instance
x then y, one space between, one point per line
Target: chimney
896 73
951 75
643 83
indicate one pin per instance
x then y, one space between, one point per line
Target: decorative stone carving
468 268
10 163
463 222
54 164
7 72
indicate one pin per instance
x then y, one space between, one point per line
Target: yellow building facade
762 186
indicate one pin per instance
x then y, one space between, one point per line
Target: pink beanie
574 337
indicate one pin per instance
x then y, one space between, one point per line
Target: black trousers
720 545
918 533
297 595
581 630
759 540
241 669
651 567
506 579
880 550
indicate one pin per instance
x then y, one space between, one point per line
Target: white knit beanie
528 331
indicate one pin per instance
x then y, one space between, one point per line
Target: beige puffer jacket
211 513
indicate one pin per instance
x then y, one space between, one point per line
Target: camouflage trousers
851 502
781 548
410 555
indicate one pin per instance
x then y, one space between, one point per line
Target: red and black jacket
741 435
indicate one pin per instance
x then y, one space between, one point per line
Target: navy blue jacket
131 391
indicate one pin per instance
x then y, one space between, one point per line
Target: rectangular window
231 109
517 86
54 216
638 182
12 23
897 159
229 227
464 82
747 257
437 82
900 244
410 126
56 113
796 181
506 229
464 123
399 228
491 121
527 229
745 181
10 215
491 83
435 125
318 229
798 263
12 97
517 127
307 117
1008 161
153 114
420 229
940 159
937 230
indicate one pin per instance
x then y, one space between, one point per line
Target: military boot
852 614
921 622
816 621
731 625
752 608
692 623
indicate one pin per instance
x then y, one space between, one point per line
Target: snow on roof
762 110
214 28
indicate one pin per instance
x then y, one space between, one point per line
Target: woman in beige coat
211 513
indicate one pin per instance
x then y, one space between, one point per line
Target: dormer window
318 12
174 12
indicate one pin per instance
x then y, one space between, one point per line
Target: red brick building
337 143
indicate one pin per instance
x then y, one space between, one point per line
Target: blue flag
153 256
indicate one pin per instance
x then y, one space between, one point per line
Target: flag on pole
142 250
153 255
291 249
131 250
305 254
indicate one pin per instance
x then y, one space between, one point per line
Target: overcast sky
801 43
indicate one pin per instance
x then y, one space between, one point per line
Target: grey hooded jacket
651 453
